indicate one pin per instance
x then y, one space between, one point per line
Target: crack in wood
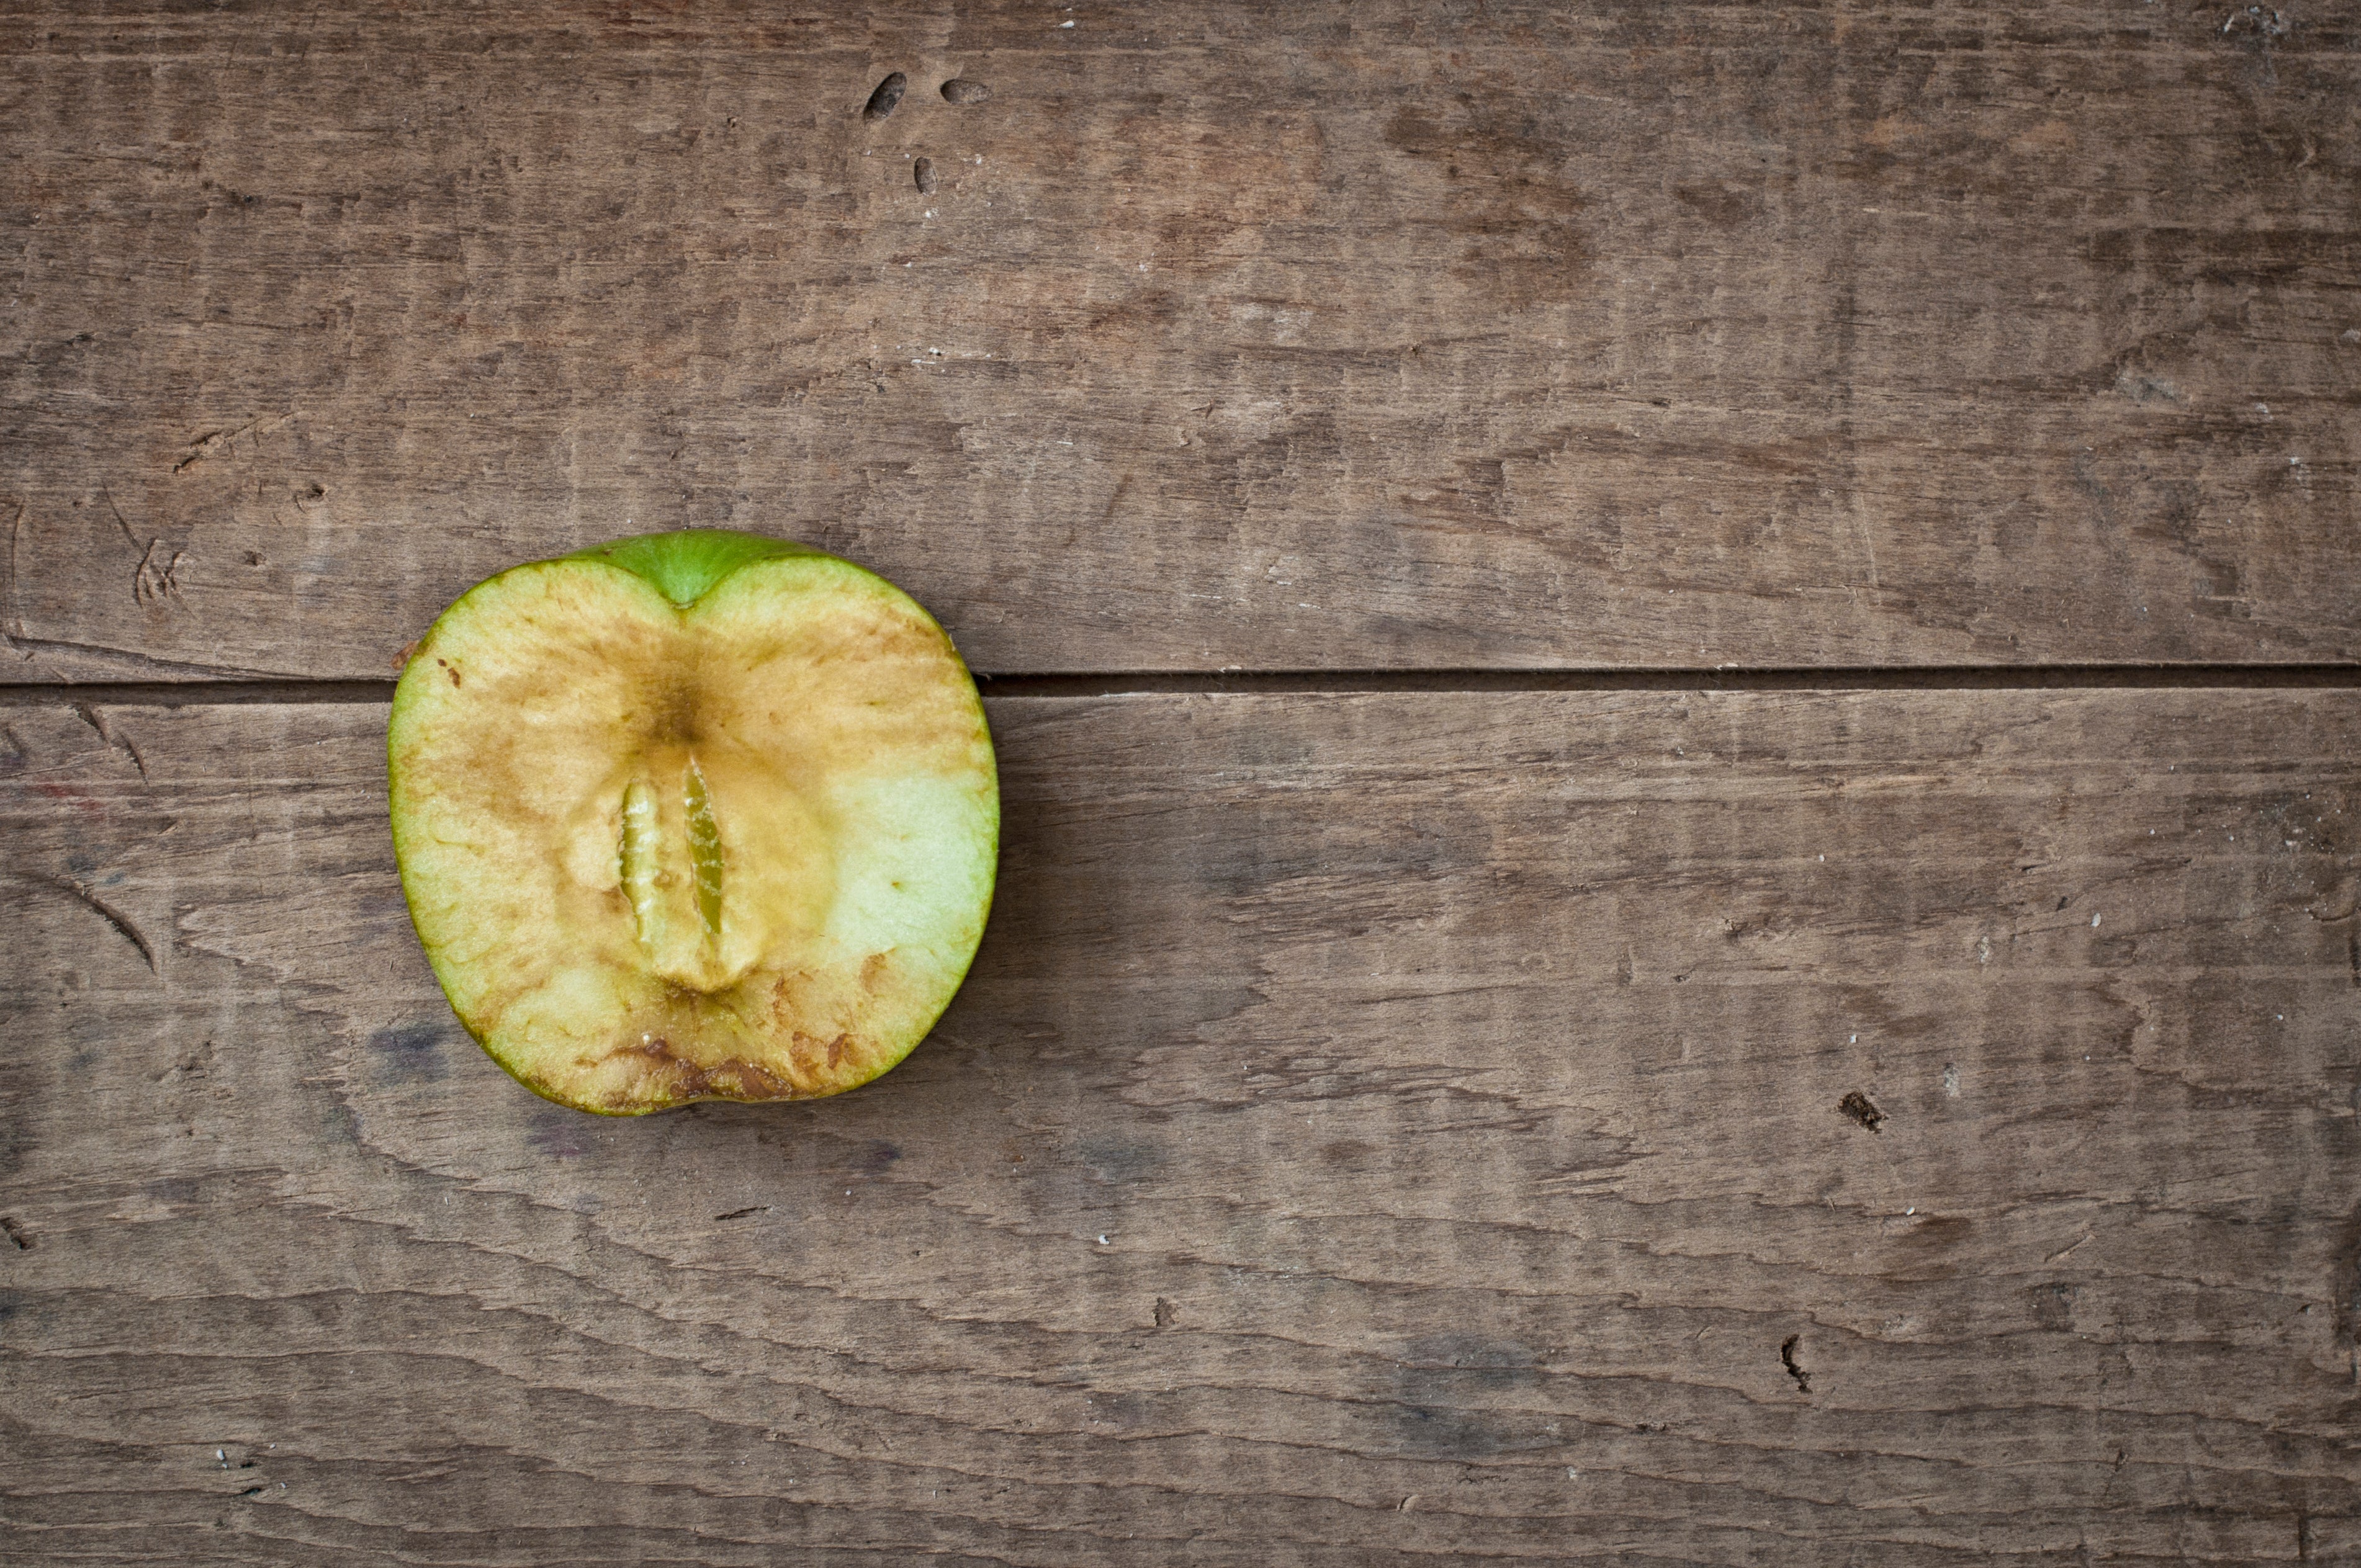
89 714
199 685
205 447
122 924
1795 1368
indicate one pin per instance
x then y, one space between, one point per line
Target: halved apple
698 816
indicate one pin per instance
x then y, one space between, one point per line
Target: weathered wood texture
1335 336
1379 1128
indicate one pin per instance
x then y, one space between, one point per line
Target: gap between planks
1950 678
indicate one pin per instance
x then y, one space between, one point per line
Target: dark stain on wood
1857 1105
412 1052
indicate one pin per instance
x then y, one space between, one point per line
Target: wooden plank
1343 336
1379 1128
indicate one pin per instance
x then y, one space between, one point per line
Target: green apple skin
693 815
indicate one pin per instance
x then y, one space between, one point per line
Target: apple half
695 815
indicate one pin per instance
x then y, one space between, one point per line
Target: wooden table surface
1679 695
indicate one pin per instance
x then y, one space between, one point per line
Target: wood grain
1380 1128
1321 336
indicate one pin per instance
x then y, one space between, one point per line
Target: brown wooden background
1678 689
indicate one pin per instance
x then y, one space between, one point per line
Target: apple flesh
696 815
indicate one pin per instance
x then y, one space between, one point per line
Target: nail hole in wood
889 93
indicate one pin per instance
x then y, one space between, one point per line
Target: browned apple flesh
741 848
